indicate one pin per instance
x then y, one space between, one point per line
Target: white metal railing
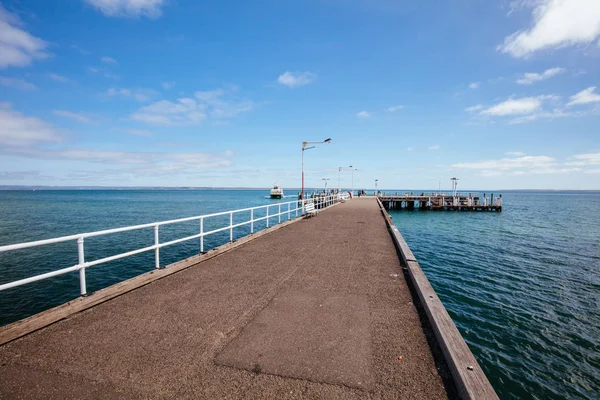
298 206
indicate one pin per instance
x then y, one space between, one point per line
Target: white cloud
16 83
222 103
363 114
18 48
530 77
58 78
556 24
291 80
395 108
108 60
515 153
229 153
525 105
434 147
139 94
168 85
474 85
184 111
556 113
19 130
474 108
129 8
71 115
217 104
524 162
584 97
582 160
410 148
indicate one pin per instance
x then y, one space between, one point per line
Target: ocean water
43 214
523 286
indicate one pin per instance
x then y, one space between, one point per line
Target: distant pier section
441 201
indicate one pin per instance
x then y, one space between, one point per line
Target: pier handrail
299 206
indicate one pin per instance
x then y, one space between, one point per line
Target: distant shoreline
25 187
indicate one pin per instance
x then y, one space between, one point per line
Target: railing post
288 211
279 213
81 257
252 220
267 216
231 226
156 250
201 234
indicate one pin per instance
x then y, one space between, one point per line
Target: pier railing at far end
285 209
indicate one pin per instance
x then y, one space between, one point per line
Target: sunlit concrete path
317 309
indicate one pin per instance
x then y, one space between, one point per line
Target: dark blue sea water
523 286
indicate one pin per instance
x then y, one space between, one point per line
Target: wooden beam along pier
441 202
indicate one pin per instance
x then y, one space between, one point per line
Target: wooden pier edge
469 379
38 321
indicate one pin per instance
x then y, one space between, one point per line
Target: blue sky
502 94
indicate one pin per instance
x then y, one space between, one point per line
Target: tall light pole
376 180
339 177
325 179
353 169
328 140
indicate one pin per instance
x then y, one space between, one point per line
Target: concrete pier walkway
317 309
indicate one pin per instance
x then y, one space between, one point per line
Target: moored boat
276 192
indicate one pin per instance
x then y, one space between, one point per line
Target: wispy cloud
584 160
363 114
74 116
217 104
18 48
434 147
129 8
19 130
524 105
586 96
294 79
16 83
556 24
523 165
168 85
474 85
515 153
530 77
395 108
410 148
108 60
474 108
59 78
139 94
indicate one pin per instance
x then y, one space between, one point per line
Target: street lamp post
376 180
325 179
339 177
328 140
353 169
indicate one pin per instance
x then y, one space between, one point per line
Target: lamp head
328 140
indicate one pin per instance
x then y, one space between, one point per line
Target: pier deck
318 309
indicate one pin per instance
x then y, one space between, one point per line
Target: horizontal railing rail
283 208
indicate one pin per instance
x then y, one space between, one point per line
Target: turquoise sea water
523 286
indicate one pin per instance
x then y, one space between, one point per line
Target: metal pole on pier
328 140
